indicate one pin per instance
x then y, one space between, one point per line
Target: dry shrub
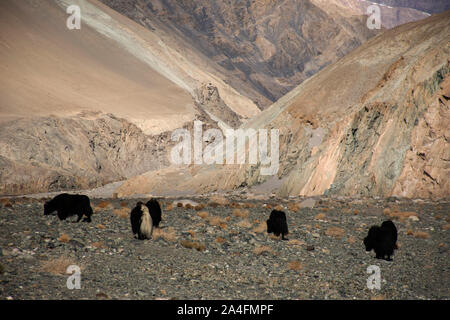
294 207
123 213
279 207
235 205
203 214
325 209
57 266
386 211
220 240
169 207
262 249
240 213
317 226
228 219
123 204
335 232
379 297
216 221
409 232
245 224
100 226
6 203
179 205
402 215
248 205
188 206
260 228
356 212
421 235
104 205
98 245
169 235
193 245
274 237
351 240
213 205
295 265
445 227
320 216
267 206
64 238
296 242
192 233
218 200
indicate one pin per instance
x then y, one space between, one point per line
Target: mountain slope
81 108
262 48
373 124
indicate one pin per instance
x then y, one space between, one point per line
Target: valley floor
324 258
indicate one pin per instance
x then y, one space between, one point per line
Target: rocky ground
233 257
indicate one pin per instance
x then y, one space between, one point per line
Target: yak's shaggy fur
155 211
277 224
67 205
383 240
141 222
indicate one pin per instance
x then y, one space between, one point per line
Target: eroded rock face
373 124
49 154
262 48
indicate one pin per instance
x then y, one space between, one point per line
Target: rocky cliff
376 123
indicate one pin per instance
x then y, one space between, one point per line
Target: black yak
383 240
277 224
67 205
155 211
141 221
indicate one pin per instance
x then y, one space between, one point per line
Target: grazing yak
141 221
67 205
277 224
383 240
155 211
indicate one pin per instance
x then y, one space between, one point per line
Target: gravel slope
315 264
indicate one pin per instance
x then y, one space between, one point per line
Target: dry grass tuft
98 245
192 233
386 211
356 212
179 204
218 200
193 245
262 249
294 207
248 205
445 227
240 213
421 235
335 232
320 216
279 207
64 238
220 240
325 209
217 221
104 204
295 265
169 235
188 206
57 266
203 214
260 228
169 207
123 213
401 215
245 224
296 242
100 226
123 204
235 205
6 203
